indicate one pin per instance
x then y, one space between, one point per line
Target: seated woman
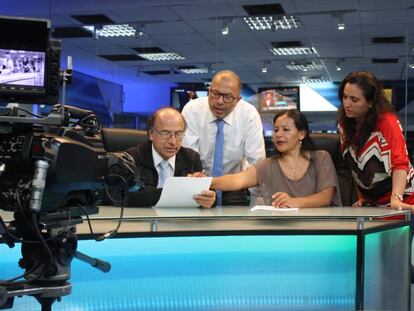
373 144
297 176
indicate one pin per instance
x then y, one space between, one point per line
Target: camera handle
97 263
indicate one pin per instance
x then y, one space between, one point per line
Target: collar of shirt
157 159
228 119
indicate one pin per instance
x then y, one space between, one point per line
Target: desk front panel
300 272
233 263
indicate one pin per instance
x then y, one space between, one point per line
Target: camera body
75 175
53 169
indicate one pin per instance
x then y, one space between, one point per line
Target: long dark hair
374 93
301 124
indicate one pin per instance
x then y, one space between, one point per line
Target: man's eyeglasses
167 134
227 98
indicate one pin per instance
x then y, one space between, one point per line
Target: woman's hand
397 204
206 198
283 199
360 202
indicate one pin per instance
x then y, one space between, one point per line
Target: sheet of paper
273 208
180 191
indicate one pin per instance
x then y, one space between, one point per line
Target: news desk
233 259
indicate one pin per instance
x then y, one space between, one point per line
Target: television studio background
132 57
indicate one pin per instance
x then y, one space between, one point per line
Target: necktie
163 165
218 155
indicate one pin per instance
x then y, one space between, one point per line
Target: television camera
53 169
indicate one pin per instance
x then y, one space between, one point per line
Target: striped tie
218 156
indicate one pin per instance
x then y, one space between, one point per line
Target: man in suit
162 156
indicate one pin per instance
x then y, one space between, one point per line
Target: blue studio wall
145 98
92 93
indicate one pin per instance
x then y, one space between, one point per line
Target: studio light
341 24
338 66
224 30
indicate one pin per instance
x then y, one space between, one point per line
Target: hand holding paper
180 191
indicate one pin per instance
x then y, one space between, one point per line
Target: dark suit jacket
187 161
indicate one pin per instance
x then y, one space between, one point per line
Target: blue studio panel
209 273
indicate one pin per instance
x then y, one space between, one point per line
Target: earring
300 143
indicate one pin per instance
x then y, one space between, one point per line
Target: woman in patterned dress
373 144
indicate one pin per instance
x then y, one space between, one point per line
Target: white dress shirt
243 135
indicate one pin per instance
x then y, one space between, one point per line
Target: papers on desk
180 191
273 208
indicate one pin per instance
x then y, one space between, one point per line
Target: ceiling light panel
194 70
294 51
317 80
121 30
304 66
259 23
157 57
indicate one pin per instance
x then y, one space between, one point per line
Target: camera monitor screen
24 60
273 99
19 67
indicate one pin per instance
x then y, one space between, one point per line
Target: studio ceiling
191 28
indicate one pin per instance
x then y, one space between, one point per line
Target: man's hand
197 174
206 198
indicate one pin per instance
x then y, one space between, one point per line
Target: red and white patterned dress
384 151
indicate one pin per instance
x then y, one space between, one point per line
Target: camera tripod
47 261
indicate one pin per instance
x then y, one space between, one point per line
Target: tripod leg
46 303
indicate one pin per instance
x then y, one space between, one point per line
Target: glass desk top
237 212
236 219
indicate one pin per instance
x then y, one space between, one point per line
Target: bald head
227 76
165 113
224 93
166 130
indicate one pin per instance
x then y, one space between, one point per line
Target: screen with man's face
274 99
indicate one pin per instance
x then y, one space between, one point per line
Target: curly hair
373 92
301 124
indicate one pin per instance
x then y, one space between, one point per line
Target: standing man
225 130
162 156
